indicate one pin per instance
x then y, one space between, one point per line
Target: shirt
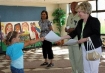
18 63
44 26
72 21
15 53
83 25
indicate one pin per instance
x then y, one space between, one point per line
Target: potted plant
59 19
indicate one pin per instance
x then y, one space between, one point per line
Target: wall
49 7
20 13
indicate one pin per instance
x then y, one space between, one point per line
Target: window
101 17
99 13
94 14
101 4
93 3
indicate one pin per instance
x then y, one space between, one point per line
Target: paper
52 37
68 27
71 42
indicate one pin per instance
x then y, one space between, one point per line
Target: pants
47 50
76 60
15 70
90 66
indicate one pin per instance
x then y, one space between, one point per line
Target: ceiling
40 1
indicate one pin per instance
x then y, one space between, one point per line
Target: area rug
51 71
101 69
57 64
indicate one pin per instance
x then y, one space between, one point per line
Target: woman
46 26
88 26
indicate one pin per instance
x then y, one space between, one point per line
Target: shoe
45 63
50 65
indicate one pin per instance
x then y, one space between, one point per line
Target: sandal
45 63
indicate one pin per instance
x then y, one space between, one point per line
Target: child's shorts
15 70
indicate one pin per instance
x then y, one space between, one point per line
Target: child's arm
32 42
7 57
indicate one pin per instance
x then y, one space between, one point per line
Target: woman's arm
51 28
82 40
70 30
65 37
95 26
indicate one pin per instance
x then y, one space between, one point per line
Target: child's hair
10 36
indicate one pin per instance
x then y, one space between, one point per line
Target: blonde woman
88 26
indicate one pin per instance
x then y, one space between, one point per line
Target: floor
33 58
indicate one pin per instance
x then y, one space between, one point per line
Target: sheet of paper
52 37
71 42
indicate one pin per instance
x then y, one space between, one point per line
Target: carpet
57 64
51 71
101 69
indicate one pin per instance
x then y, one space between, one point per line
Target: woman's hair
10 36
17 27
85 7
44 11
26 24
6 27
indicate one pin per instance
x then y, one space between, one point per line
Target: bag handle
90 43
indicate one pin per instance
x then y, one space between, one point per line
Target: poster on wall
23 19
24 28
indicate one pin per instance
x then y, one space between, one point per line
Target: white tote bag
91 55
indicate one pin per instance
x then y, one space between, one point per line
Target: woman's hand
82 40
60 42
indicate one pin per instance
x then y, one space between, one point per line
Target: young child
14 51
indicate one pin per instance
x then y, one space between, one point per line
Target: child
14 51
